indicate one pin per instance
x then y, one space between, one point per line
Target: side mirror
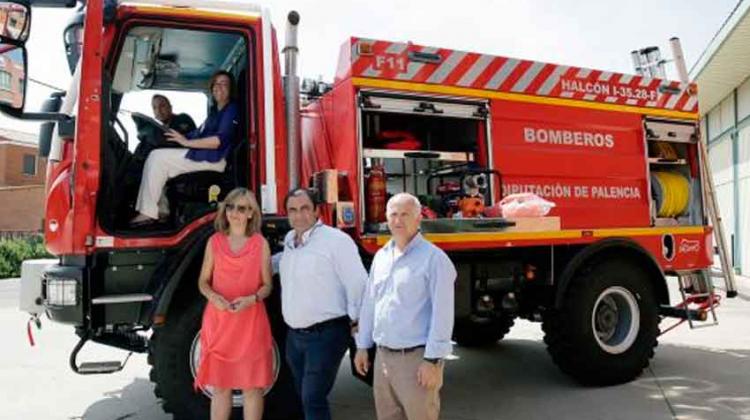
12 78
47 129
15 21
73 38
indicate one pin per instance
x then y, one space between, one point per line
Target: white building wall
720 124
713 118
726 110
743 100
720 157
743 161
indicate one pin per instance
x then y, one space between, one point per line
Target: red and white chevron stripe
390 60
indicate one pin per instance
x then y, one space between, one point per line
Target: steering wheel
151 132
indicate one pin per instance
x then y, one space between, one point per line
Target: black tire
170 354
624 344
476 333
170 358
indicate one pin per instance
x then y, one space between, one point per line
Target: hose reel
671 191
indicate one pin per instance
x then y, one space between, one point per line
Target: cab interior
177 63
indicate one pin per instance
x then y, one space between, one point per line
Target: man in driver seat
182 123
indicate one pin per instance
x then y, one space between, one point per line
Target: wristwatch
434 361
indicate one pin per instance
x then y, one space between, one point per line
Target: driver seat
188 194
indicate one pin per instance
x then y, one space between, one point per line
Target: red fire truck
617 154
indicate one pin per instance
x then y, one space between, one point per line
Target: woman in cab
204 149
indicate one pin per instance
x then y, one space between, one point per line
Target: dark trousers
314 356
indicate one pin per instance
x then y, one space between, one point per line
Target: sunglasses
239 209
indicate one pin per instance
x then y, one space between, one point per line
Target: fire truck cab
113 282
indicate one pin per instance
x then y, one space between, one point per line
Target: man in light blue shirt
407 312
322 282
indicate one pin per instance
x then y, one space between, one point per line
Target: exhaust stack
292 95
679 59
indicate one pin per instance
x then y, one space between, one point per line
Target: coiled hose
671 192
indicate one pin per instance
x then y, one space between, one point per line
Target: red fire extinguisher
375 187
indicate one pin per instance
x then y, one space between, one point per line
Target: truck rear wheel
605 331
174 354
474 333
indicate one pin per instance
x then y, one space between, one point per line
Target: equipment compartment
434 149
674 178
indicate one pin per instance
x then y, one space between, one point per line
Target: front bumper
57 290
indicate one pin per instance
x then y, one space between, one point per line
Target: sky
597 34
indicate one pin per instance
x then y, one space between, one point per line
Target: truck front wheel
174 355
605 331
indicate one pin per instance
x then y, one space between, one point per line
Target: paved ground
702 374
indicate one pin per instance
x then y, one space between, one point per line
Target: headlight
61 292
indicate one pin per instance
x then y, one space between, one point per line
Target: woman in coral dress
236 341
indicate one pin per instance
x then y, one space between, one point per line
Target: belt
322 325
402 351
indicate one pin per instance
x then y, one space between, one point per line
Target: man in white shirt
407 311
322 282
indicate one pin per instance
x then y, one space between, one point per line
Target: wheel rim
195 353
615 320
